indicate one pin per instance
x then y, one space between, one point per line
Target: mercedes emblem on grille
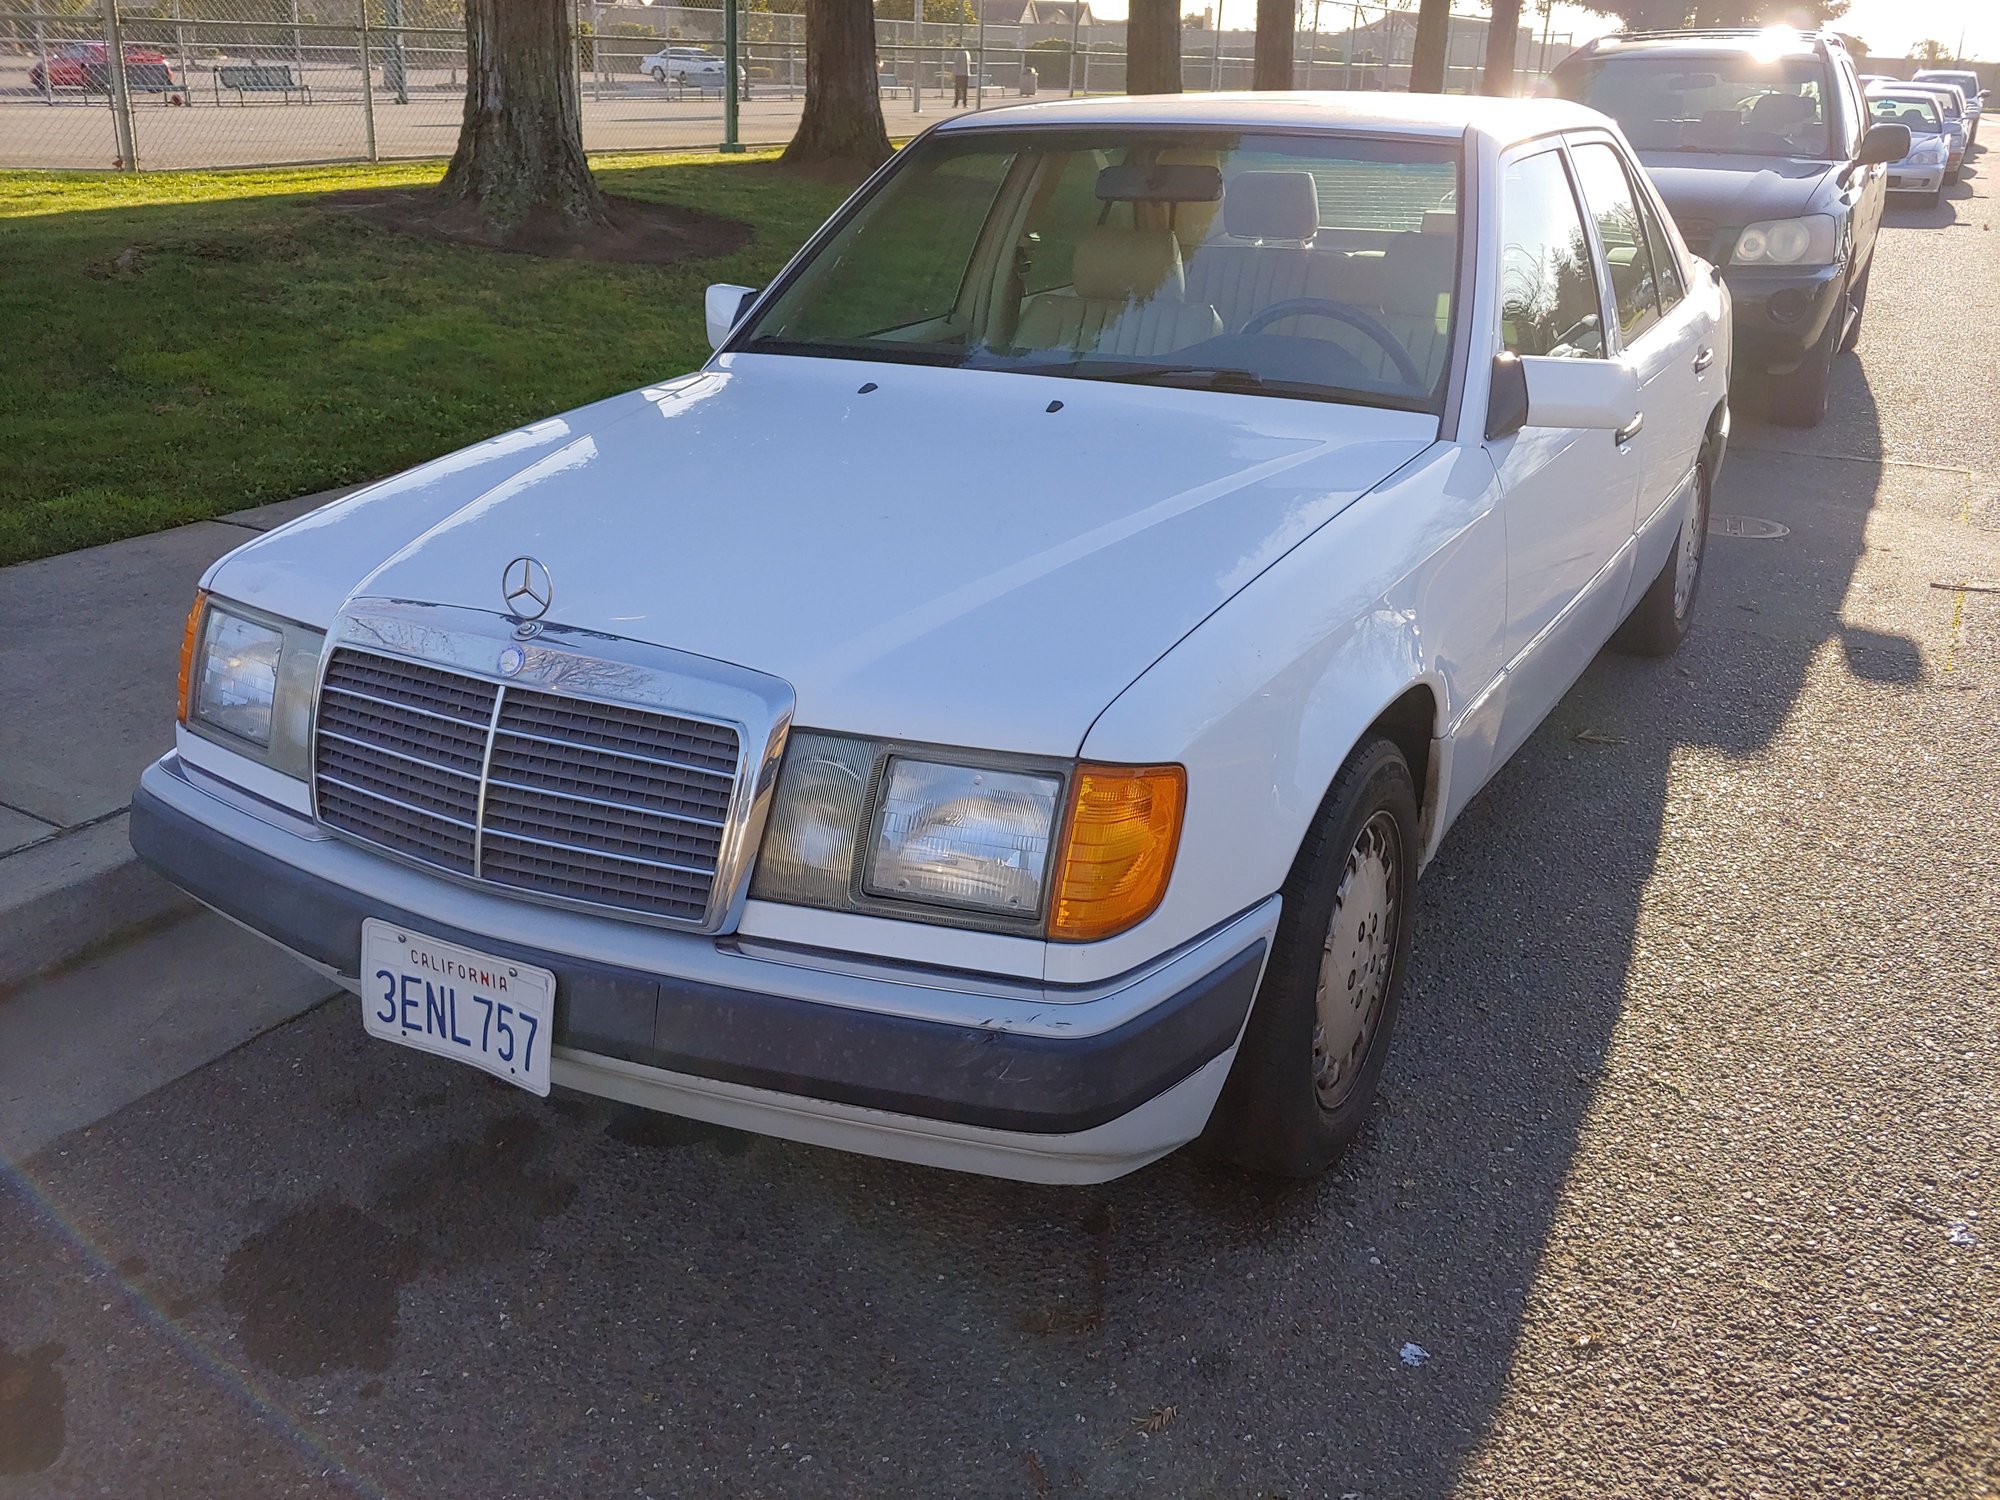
525 585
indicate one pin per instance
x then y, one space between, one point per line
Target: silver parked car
1967 82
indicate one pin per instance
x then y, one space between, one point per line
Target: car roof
1774 43
1431 116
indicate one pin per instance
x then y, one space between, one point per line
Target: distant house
1392 41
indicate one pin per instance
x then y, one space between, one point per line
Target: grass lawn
183 344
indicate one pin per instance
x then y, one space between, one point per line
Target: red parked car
87 66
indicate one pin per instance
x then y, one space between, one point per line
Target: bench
244 79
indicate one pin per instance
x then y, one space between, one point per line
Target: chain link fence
160 84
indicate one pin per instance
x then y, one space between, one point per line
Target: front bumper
1780 315
1927 178
926 1065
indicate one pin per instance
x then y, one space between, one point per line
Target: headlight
236 676
1811 241
963 836
1005 843
247 680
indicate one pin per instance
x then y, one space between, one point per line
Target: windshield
1318 266
1732 103
1919 113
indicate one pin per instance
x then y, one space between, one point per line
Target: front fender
1266 698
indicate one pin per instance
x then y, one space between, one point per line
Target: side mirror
1882 145
724 304
1551 391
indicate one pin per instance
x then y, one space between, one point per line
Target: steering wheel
1340 312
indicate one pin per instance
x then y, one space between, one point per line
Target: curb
63 900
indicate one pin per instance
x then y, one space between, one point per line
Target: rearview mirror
724 304
1551 391
1883 144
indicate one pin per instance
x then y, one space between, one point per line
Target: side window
1548 291
1666 264
1608 194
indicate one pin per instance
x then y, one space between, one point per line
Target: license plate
494 1013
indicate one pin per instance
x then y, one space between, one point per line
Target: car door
1661 331
1569 496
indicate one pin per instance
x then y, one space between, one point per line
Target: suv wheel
1799 399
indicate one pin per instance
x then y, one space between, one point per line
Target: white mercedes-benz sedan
995 713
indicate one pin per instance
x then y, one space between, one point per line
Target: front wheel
1319 1031
1660 619
659 75
1799 399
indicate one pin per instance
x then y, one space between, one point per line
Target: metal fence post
1215 63
731 138
121 100
917 57
979 82
367 85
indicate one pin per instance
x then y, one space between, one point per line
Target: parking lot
1684 1180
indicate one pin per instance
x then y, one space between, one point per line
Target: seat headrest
1128 265
1780 111
1271 206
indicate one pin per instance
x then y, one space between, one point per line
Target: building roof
1438 115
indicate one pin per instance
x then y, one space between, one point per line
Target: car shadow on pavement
340 1228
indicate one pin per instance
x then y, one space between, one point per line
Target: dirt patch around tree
638 231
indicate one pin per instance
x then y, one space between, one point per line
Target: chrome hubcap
1687 562
1360 952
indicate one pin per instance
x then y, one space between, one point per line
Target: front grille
1699 234
616 806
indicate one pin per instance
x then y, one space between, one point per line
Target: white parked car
993 714
692 68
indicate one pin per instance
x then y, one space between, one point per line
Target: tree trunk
842 122
1427 60
1153 47
1502 44
520 149
1277 28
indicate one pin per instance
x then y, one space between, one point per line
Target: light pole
1215 61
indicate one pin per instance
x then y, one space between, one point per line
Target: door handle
1703 360
1625 434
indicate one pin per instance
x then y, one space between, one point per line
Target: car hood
946 555
1735 190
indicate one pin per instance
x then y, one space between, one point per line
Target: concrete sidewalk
86 702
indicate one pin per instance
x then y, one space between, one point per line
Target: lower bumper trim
964 1075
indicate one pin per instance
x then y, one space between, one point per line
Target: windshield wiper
1193 377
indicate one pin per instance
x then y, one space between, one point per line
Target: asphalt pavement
1685 1179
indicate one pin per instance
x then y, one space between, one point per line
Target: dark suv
1760 143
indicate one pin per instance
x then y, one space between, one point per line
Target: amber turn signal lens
1118 848
188 634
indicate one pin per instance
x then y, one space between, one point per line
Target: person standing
961 78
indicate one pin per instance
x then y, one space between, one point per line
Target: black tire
1951 177
1799 399
1286 1110
1857 299
1936 199
660 75
1659 621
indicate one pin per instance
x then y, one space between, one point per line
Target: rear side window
1608 193
1548 291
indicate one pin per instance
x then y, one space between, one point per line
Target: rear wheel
1319 1033
1659 621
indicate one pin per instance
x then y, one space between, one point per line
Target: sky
1889 27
